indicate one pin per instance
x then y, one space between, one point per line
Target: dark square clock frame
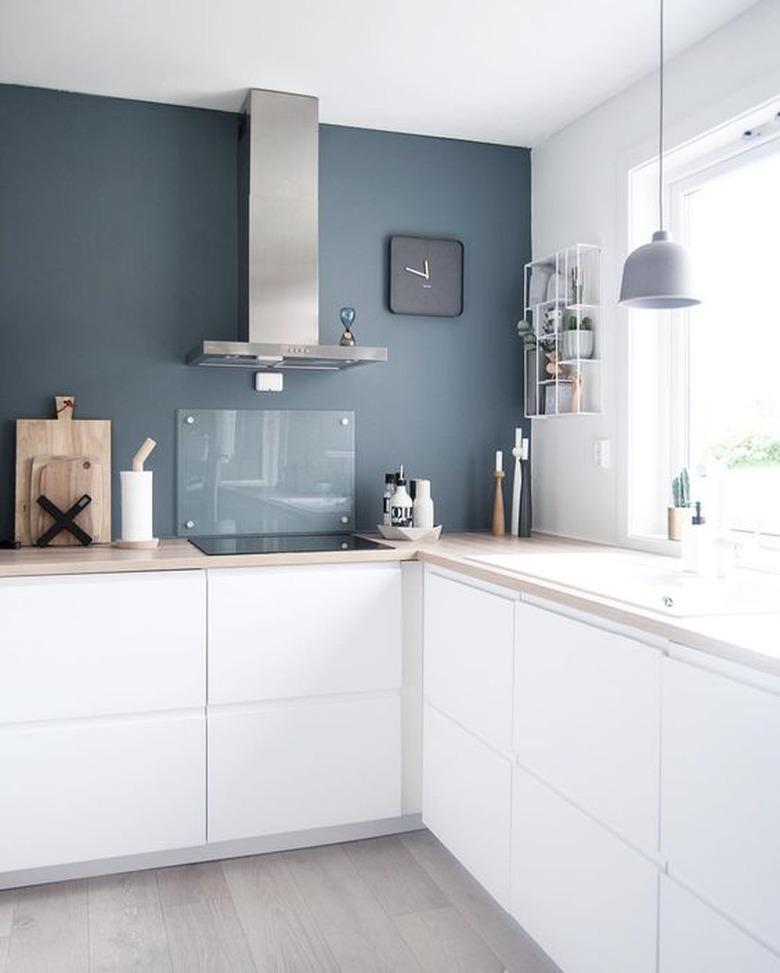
426 276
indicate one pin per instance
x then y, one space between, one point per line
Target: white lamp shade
658 275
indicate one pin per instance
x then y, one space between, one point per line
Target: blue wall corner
118 253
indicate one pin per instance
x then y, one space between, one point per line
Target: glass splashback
264 472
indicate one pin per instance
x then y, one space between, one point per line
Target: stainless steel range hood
280 286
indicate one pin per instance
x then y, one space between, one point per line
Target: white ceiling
507 71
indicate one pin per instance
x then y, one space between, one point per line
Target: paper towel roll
136 505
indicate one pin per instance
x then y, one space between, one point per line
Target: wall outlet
269 381
601 451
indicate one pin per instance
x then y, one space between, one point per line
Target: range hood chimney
280 289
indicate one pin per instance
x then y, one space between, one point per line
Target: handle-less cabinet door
285 767
468 659
91 789
587 713
720 828
695 939
586 897
467 800
93 645
283 632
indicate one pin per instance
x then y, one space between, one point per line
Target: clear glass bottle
697 550
390 479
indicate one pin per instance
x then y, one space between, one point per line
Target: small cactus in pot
681 489
681 500
578 338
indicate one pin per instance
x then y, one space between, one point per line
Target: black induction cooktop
284 543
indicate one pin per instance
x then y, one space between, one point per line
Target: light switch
601 450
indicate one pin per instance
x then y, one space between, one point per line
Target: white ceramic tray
409 533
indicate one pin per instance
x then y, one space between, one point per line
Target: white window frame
678 189
682 178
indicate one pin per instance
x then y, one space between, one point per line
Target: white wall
579 194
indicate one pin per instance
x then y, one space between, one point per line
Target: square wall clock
426 276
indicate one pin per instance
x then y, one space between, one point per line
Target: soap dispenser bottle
696 543
401 503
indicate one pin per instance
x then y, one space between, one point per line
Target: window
705 384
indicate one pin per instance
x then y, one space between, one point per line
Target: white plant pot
577 344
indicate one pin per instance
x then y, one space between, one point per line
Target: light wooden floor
396 905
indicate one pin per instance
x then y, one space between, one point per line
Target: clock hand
420 273
427 270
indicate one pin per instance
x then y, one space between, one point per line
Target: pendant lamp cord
661 120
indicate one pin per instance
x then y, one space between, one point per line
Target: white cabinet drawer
99 644
468 657
467 801
587 714
720 826
303 631
295 766
694 939
588 899
98 789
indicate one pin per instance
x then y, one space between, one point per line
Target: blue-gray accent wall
118 253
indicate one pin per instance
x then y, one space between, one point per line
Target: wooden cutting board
63 437
64 480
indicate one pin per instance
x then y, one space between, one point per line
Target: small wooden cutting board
64 479
67 438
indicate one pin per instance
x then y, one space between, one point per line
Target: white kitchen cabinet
305 678
695 939
295 766
467 800
587 715
720 828
92 645
586 897
277 632
91 789
468 657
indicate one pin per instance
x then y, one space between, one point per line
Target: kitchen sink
657 583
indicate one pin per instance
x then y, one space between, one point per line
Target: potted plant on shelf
681 500
578 339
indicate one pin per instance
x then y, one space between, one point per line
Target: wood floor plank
126 928
396 878
282 933
50 930
188 884
205 936
360 936
444 942
7 903
514 947
340 908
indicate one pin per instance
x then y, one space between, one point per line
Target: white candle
499 461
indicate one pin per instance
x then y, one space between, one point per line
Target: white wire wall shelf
562 336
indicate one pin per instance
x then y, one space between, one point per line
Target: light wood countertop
747 639
174 554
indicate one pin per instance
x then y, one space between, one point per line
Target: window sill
765 558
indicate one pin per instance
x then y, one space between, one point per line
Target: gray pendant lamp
659 274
